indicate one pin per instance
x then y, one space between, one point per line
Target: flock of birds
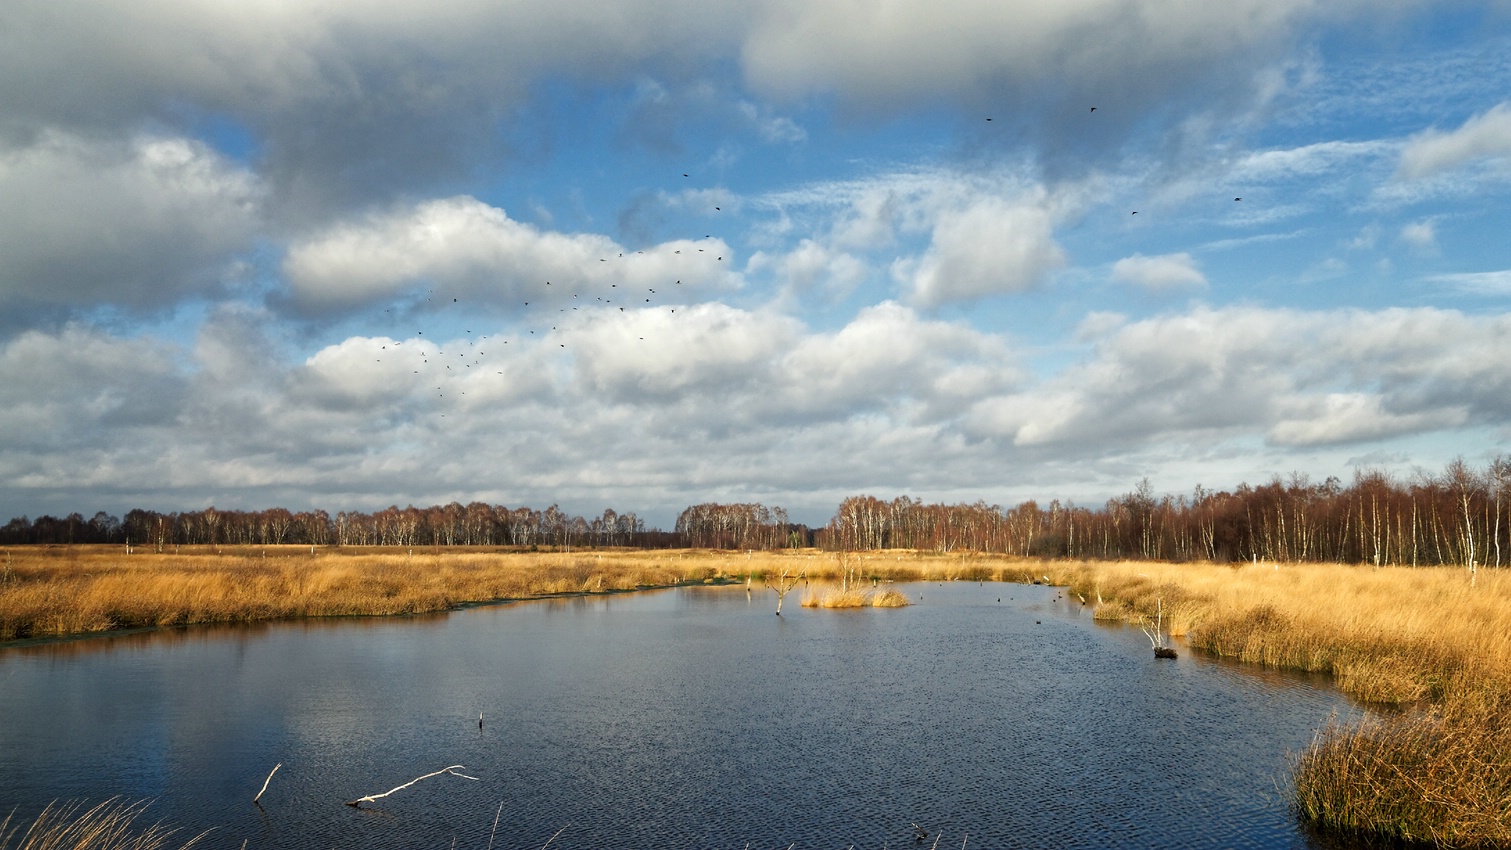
429 358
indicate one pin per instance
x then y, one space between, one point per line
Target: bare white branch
266 781
451 770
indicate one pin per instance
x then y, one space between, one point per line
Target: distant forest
1461 516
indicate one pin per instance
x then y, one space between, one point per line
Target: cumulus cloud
1434 151
1161 274
138 224
463 248
916 49
1298 378
713 400
1354 417
812 268
989 247
343 98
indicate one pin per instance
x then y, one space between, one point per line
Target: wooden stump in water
1164 652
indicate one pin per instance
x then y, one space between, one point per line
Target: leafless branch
266 781
451 770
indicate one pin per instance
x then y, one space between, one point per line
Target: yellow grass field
57 591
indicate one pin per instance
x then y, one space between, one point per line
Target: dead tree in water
784 584
1156 631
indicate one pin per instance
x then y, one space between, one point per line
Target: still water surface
676 719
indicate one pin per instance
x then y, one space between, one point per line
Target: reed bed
106 826
1429 641
55 591
1391 635
830 596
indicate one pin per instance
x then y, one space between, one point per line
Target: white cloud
1161 274
1354 417
988 247
1431 152
773 129
140 224
1421 235
908 49
81 390
1495 284
1299 378
812 268
465 249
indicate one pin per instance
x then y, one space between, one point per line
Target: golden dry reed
54 591
833 596
1434 642
106 826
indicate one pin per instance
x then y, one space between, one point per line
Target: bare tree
784 584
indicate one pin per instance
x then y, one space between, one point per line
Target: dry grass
1440 776
79 590
1425 639
53 591
830 596
106 826
1389 635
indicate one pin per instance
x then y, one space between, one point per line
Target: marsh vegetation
1434 643
1431 643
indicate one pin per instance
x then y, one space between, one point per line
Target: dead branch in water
451 770
266 781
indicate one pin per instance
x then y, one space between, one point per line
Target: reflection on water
689 719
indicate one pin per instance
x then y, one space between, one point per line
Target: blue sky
265 254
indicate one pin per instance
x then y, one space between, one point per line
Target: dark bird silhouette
1238 199
1093 109
1135 212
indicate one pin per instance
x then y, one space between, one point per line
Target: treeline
477 524
1461 516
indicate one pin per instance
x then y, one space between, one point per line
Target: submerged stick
451 770
266 781
496 814
553 838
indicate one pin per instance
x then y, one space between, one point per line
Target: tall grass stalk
105 826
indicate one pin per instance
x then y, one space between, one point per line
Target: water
680 719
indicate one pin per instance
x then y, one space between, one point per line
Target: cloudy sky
647 253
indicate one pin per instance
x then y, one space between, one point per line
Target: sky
652 253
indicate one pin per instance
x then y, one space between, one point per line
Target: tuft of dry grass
1439 776
105 826
829 596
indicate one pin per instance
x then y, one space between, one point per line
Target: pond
990 715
